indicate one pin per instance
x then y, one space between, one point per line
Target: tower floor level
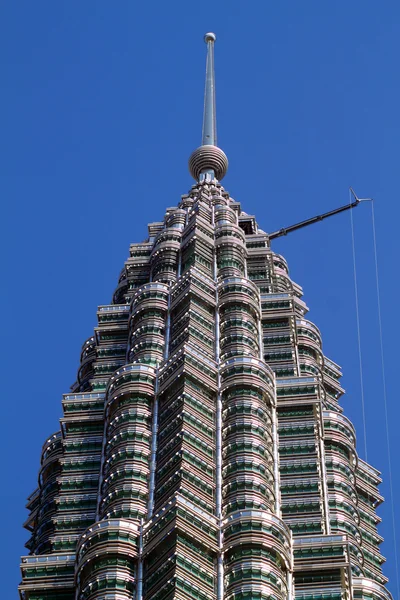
203 453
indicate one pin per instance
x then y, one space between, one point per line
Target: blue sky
101 106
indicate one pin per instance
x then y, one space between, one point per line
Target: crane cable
358 330
384 389
384 393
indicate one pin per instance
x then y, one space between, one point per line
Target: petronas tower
203 453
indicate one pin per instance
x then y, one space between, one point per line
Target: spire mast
209 115
208 162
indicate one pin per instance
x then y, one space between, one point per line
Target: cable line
358 329
384 391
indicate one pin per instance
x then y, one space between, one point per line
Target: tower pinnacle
209 117
209 161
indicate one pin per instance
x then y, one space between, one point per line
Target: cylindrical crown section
105 563
124 488
147 324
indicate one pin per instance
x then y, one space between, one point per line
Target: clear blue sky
101 106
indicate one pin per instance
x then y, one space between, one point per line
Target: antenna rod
209 115
208 162
286 230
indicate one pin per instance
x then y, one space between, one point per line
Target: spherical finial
208 158
210 37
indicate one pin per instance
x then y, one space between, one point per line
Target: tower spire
209 162
209 116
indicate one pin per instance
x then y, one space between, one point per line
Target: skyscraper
203 453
